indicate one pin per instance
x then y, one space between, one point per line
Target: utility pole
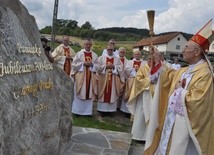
53 32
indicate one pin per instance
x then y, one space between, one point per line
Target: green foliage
102 36
76 32
76 49
98 47
87 26
64 31
70 27
85 33
64 27
105 36
129 55
46 30
72 24
128 30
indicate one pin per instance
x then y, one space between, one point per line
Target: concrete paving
89 141
136 150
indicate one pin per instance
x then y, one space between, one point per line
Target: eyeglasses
112 43
109 49
122 52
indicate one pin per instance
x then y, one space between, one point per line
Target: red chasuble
67 65
108 87
88 58
136 64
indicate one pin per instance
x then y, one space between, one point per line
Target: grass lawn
117 122
105 124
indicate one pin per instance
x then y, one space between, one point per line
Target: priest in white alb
84 80
139 101
124 60
109 69
130 71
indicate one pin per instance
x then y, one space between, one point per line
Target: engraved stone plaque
35 95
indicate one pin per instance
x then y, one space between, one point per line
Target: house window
178 38
178 47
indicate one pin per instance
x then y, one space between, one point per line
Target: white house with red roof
170 44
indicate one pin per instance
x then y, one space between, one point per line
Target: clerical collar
136 59
65 46
87 51
110 56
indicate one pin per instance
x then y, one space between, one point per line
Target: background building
170 44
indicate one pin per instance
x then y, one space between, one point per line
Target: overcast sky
170 15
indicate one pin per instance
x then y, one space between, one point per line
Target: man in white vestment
163 60
182 121
63 55
139 101
84 80
109 69
111 42
124 60
176 64
130 71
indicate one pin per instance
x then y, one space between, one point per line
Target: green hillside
71 28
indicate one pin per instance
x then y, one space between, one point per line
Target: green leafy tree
102 36
65 31
65 24
46 30
85 33
87 25
76 32
70 27
73 24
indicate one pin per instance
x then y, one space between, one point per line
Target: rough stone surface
136 150
35 114
88 141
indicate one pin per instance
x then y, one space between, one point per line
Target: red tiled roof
157 39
